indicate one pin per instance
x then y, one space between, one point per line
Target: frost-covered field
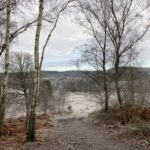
82 104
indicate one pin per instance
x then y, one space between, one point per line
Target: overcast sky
61 51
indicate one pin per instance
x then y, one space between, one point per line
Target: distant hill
57 74
139 73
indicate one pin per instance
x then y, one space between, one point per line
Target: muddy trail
79 134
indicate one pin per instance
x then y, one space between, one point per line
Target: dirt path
79 134
75 132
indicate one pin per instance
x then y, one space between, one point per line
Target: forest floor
69 133
74 131
80 134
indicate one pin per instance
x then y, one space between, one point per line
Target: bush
136 119
143 131
146 130
124 115
132 131
100 117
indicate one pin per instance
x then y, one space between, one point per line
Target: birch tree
125 32
3 90
31 128
95 14
125 28
8 7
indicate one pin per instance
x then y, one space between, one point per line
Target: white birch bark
31 130
3 93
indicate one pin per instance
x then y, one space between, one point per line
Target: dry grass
131 124
123 115
136 118
14 135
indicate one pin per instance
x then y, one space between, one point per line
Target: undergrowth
133 120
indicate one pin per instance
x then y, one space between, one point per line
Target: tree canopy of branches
116 29
21 66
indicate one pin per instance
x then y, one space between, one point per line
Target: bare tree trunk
118 92
132 93
131 86
105 85
4 83
106 92
45 107
32 117
27 114
104 68
106 100
117 80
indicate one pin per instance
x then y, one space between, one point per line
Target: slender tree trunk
31 132
4 83
117 81
27 119
131 87
104 71
27 114
45 105
118 92
132 92
106 94
105 83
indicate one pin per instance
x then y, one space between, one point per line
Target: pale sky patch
60 51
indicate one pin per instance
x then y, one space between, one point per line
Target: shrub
146 130
124 115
